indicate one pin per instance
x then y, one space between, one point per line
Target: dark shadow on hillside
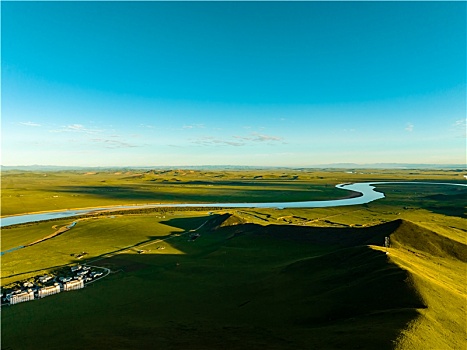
332 236
241 289
349 299
402 233
205 223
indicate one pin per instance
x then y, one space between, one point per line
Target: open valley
199 278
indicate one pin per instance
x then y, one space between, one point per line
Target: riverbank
366 189
361 193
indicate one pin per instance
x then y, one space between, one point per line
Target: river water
367 190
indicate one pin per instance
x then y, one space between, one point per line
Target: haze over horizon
240 83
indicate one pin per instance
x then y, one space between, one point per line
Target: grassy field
255 278
39 191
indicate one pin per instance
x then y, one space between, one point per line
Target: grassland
39 191
255 278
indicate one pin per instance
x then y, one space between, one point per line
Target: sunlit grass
97 237
441 283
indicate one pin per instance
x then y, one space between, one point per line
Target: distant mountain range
390 166
348 166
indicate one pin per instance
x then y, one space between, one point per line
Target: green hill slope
437 266
247 286
408 235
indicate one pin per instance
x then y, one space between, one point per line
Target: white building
72 285
46 291
21 297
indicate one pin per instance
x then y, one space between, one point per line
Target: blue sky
233 83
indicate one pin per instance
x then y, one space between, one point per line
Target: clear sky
233 83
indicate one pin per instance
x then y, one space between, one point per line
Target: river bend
366 189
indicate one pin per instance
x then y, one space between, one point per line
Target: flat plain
253 278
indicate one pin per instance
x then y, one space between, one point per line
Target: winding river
366 189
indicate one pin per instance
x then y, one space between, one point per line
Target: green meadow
254 278
45 191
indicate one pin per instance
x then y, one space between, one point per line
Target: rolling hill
241 285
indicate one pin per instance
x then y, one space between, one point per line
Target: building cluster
30 291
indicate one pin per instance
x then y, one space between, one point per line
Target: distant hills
390 166
347 166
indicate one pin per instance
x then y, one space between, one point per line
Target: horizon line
322 165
